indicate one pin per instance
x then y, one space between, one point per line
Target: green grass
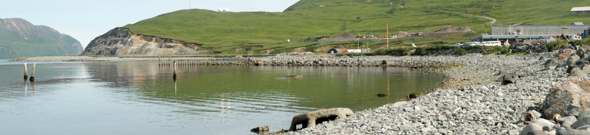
227 31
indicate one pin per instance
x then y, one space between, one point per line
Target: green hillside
307 20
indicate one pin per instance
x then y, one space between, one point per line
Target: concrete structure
311 119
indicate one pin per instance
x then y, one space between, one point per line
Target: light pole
387 35
190 6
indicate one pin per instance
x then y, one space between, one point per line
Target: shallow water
141 97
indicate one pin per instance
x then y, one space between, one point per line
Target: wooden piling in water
174 72
32 77
26 72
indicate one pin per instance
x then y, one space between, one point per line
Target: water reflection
204 98
263 89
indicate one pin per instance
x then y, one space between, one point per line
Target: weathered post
174 72
26 72
387 91
32 78
384 63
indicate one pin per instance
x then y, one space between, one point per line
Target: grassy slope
226 31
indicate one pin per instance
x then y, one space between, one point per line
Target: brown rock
578 71
568 99
565 54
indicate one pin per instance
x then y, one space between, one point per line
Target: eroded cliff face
122 42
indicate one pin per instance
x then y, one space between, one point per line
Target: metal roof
580 9
485 36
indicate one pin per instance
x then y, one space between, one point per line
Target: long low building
510 37
576 10
539 30
525 34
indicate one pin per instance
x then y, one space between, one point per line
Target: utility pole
190 6
387 35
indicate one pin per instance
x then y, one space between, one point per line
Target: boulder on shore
568 99
508 78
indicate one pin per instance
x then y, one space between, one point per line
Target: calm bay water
141 98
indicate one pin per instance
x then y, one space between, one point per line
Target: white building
576 10
539 30
485 43
359 51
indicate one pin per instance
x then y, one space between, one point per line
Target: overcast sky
87 19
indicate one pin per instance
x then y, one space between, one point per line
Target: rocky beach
486 95
482 106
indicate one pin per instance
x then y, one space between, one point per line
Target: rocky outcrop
568 99
123 42
565 110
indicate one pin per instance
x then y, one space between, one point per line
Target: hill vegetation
307 22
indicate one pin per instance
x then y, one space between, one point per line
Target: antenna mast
190 6
387 35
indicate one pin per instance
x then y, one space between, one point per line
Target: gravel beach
472 101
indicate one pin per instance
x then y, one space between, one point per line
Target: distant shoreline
113 59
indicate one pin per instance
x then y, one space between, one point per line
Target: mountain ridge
19 38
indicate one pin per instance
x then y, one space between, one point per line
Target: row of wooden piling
175 64
29 77
183 64
196 62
